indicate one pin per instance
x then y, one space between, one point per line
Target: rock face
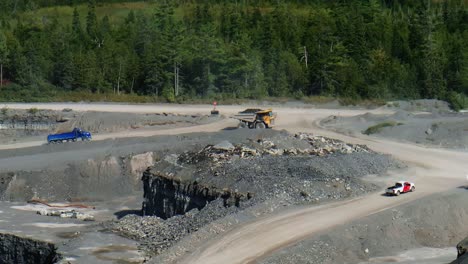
204 190
298 166
166 196
139 163
462 249
18 250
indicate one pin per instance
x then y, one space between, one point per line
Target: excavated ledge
233 173
166 196
20 250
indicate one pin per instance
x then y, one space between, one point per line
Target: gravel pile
441 129
156 234
281 169
299 144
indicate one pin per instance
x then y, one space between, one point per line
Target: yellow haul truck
256 118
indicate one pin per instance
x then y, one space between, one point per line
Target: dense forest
386 49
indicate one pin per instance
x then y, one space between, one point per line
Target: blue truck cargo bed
69 136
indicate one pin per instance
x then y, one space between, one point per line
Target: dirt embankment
437 221
19 125
93 170
447 130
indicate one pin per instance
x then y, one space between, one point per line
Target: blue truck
69 136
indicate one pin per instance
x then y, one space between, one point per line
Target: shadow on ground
123 213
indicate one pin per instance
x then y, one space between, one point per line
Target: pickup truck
69 136
400 187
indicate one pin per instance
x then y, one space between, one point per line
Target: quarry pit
154 197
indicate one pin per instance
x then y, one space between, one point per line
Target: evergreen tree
76 23
91 19
3 56
359 49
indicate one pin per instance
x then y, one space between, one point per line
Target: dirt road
433 170
165 108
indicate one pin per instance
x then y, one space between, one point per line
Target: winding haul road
433 170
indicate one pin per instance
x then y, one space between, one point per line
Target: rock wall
462 250
92 179
19 250
166 196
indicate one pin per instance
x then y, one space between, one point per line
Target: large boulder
224 145
462 249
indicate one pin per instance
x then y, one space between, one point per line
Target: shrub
377 128
368 103
33 110
4 110
317 99
457 101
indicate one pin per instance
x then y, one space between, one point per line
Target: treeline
245 49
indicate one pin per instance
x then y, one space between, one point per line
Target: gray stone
224 145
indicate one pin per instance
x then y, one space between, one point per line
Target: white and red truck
400 187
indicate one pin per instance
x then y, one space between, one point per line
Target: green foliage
33 110
348 101
457 101
377 128
4 110
317 99
358 51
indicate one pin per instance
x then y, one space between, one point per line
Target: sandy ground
444 130
77 240
416 256
433 170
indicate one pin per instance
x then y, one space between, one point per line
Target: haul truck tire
260 125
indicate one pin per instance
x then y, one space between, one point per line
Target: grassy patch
377 128
33 110
85 96
393 104
368 103
4 110
317 99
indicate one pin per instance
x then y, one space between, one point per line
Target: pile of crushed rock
299 144
279 169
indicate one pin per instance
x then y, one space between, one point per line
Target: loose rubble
66 214
194 188
300 144
433 128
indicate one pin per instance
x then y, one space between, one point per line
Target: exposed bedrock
462 249
166 196
19 250
299 166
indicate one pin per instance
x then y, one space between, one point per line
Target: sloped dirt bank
96 178
20 125
438 221
445 129
93 170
